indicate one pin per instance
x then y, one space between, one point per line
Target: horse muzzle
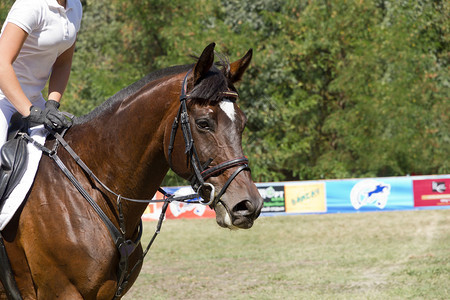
238 216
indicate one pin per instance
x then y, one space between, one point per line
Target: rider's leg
6 275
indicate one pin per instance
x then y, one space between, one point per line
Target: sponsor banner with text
306 198
273 196
329 196
431 192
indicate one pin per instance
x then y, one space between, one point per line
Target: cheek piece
202 172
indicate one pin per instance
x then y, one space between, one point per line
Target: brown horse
58 245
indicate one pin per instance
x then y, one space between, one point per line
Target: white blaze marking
228 107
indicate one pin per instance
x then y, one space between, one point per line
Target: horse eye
203 124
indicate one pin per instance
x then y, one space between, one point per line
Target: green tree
394 85
5 5
346 88
101 65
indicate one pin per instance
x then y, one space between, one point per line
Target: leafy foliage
336 88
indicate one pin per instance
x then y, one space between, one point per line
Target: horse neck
123 145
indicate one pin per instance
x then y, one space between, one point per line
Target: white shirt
51 29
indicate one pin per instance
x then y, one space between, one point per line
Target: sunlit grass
389 255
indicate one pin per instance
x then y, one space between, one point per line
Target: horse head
208 149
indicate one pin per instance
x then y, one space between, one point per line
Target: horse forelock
211 87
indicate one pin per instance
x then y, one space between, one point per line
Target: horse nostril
244 208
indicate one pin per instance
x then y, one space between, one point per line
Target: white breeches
7 110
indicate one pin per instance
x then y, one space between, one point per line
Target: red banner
431 192
177 210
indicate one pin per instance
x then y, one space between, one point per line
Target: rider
37 43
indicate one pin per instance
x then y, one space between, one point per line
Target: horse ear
238 68
205 62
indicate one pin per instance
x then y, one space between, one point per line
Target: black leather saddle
13 157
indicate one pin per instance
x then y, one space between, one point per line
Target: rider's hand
51 116
36 117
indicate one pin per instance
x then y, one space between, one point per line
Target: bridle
202 172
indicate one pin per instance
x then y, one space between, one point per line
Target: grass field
388 255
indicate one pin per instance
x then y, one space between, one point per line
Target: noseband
202 172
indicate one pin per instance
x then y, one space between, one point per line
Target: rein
201 173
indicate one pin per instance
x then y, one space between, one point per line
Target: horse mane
130 90
208 90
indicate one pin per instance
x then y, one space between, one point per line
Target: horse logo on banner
370 191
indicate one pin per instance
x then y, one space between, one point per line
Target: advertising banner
153 210
375 194
431 192
306 198
328 196
178 210
273 196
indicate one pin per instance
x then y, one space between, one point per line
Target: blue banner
357 195
369 195
351 195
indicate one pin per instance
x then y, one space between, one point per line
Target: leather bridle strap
235 173
200 173
216 170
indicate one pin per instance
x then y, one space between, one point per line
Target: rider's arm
60 74
11 41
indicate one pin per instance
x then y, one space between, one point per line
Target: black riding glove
51 116
36 117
